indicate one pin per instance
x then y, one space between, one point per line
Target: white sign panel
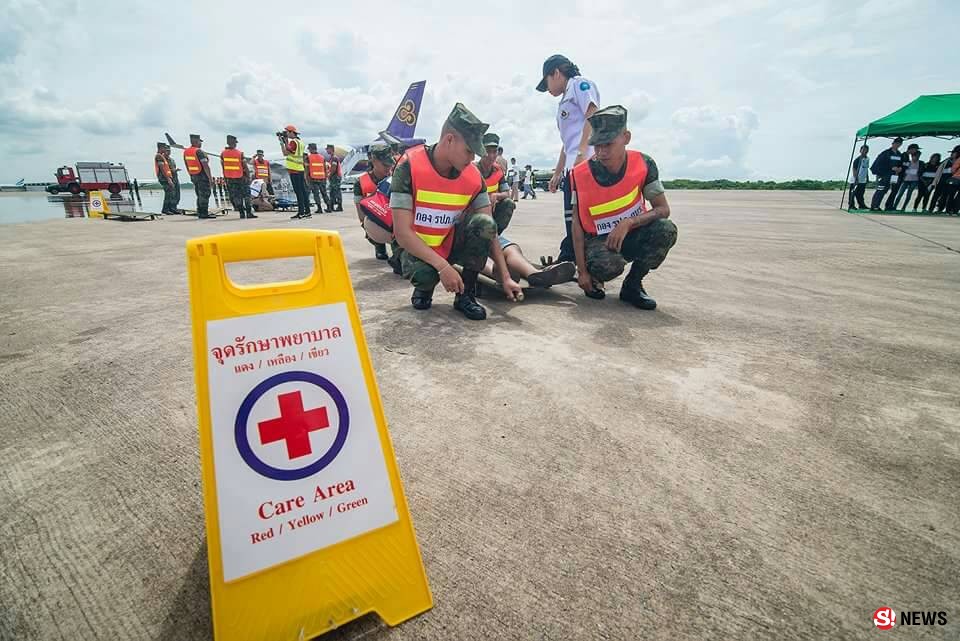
296 453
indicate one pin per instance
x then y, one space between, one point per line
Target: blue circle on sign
584 86
277 473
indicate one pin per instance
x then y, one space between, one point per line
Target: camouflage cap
161 146
196 137
491 140
607 123
381 152
231 137
469 126
312 145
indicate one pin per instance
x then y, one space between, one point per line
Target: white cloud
709 139
837 45
24 19
257 100
807 16
341 59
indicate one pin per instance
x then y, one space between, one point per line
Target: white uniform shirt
256 187
572 115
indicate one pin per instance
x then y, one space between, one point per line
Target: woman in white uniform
579 98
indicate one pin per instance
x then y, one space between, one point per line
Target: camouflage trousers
171 196
239 191
201 185
336 196
471 247
319 189
503 213
646 247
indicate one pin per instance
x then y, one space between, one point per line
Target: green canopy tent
933 116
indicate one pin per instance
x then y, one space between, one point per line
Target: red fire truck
91 175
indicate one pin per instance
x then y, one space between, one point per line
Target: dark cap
491 140
607 123
330 147
161 146
897 139
196 137
312 145
914 145
550 65
468 126
231 138
259 151
381 152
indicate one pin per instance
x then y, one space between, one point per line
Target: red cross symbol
294 425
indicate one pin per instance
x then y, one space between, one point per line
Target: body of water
22 207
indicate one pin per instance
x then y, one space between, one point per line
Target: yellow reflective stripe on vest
493 188
431 240
231 163
442 198
618 203
295 160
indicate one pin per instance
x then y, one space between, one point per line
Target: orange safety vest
367 184
232 163
164 166
190 158
317 169
601 208
439 202
261 168
493 180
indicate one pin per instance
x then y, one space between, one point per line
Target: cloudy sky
733 89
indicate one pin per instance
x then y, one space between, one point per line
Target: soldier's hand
513 291
554 182
615 238
585 280
451 280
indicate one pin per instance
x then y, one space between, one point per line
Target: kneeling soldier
611 226
441 214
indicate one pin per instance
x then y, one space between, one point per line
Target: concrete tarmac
774 453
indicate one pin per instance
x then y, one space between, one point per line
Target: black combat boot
466 303
381 251
422 298
632 289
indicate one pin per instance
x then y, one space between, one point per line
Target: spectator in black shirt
885 168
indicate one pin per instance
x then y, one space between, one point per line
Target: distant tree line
761 185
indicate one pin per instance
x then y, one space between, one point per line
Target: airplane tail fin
404 122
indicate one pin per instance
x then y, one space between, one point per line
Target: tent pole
846 181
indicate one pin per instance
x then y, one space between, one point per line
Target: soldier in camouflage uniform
474 230
639 237
201 182
381 161
175 208
238 189
503 205
165 174
334 178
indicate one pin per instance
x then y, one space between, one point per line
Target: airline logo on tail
407 113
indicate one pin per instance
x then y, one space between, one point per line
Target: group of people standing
521 179
248 180
445 214
934 184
